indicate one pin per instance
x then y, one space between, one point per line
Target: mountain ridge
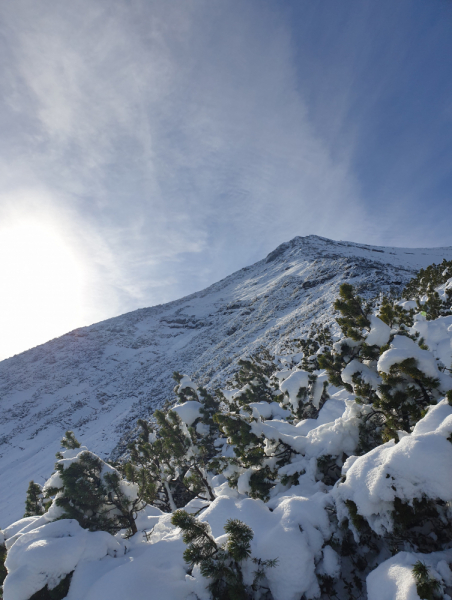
99 379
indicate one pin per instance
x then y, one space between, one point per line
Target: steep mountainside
98 380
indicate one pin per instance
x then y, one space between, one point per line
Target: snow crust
292 385
186 382
268 410
438 337
298 380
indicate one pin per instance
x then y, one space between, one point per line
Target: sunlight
41 286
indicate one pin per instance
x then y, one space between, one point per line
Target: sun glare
41 286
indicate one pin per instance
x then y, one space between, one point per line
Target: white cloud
170 138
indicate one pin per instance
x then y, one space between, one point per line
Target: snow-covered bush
174 450
330 467
46 556
222 564
405 489
87 489
34 504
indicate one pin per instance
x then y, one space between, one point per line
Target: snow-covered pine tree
317 341
34 503
396 378
423 289
177 455
223 564
395 316
250 455
69 441
399 396
92 492
433 275
404 395
184 388
427 586
253 378
257 460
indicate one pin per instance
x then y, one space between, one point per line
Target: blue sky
153 147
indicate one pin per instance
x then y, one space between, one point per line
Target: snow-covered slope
98 380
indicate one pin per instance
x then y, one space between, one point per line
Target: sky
151 147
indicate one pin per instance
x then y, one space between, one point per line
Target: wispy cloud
180 140
171 128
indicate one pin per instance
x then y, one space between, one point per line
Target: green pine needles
427 587
355 314
34 503
3 571
94 493
222 564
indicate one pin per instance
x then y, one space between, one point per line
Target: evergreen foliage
404 393
404 396
222 564
432 276
254 378
94 494
355 313
184 392
423 287
397 404
318 340
172 458
427 587
69 441
34 501
395 316
3 571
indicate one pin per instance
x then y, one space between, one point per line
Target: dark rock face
99 380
